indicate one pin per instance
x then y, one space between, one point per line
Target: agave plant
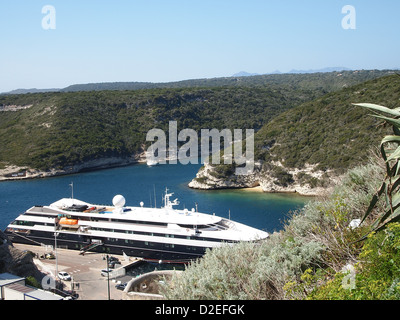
390 151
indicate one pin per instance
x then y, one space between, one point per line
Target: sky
170 40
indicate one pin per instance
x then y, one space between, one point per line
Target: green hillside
329 131
59 129
326 81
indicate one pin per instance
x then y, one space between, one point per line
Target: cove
142 183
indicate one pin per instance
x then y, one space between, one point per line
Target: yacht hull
141 249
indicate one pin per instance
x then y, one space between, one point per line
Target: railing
90 247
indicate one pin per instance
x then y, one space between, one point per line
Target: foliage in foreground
321 254
316 242
375 277
390 152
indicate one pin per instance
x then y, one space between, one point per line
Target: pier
85 271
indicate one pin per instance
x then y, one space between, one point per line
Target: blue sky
170 40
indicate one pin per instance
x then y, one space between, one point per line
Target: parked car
69 295
121 286
64 276
113 259
49 256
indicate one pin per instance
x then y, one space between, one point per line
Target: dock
85 271
121 271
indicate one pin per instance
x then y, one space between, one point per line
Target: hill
305 80
56 130
328 78
305 147
71 131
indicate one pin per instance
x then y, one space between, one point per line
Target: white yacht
152 162
166 233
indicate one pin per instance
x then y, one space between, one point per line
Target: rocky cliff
272 177
16 261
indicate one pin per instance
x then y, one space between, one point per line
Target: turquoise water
139 183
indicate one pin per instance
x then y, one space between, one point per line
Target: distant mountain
33 90
244 74
329 69
246 79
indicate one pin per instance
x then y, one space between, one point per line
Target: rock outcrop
15 261
271 178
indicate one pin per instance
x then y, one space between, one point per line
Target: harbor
143 183
87 281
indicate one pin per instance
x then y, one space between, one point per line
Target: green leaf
374 201
397 168
394 122
396 199
391 139
396 218
376 107
383 153
396 183
395 155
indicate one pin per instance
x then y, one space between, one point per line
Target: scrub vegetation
343 246
61 129
316 243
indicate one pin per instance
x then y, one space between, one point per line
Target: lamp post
108 278
55 250
55 243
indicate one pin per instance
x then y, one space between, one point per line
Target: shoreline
258 189
104 164
295 193
31 174
257 181
253 189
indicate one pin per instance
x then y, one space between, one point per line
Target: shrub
244 271
282 177
31 281
377 274
314 246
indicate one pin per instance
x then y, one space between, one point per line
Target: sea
141 183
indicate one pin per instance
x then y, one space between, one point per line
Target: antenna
72 189
151 202
155 201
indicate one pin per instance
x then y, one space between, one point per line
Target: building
14 288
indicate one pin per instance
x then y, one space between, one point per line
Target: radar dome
118 201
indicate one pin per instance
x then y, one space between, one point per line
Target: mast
155 199
72 190
167 202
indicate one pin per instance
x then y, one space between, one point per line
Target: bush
377 274
244 271
314 246
31 281
282 177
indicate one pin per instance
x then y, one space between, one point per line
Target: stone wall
146 286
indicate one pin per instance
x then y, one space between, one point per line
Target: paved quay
85 271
